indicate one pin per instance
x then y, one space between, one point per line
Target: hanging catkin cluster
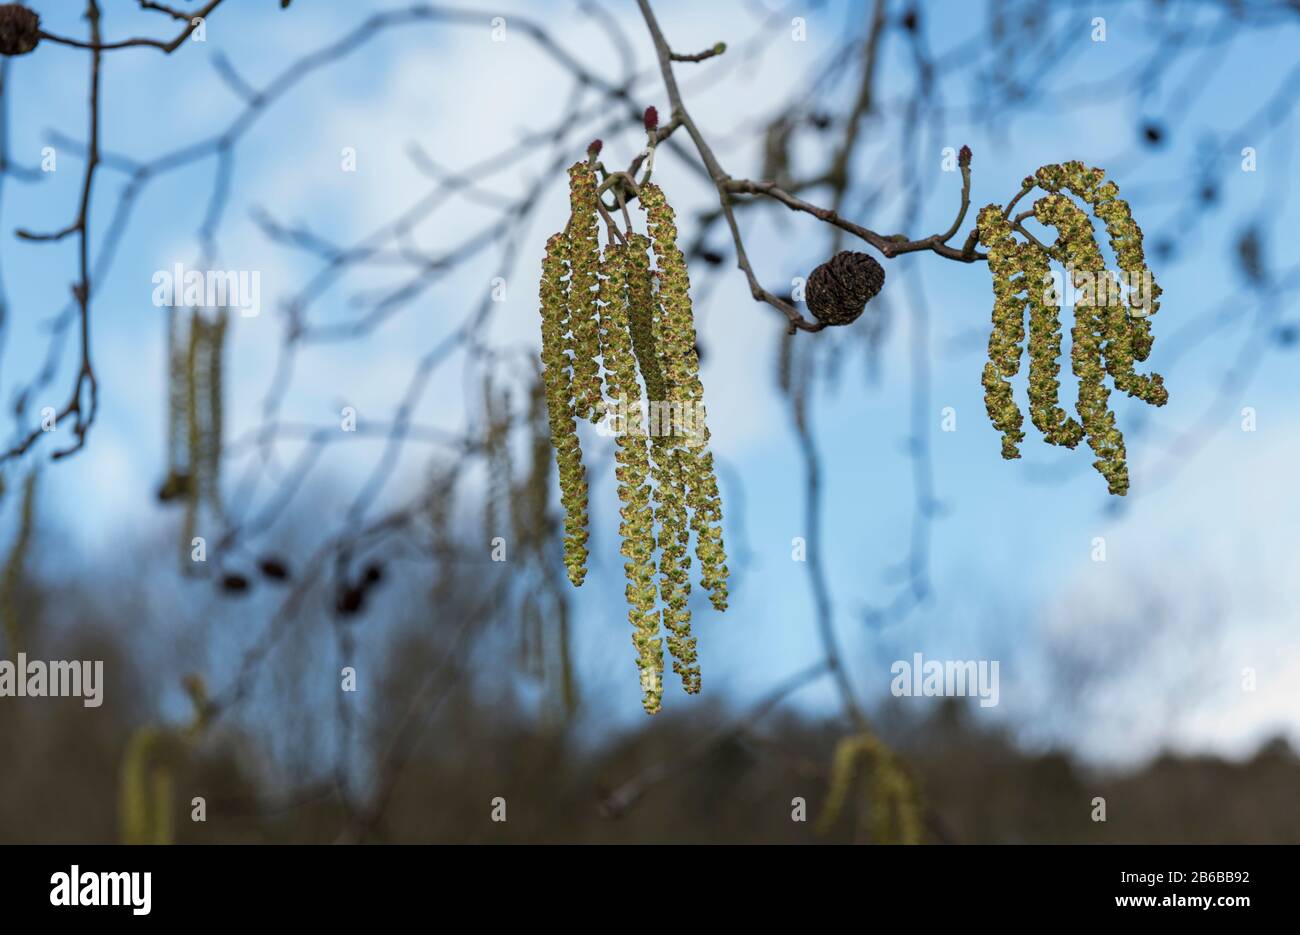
194 417
1107 338
153 754
889 795
615 311
557 372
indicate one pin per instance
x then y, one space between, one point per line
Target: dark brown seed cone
838 291
20 29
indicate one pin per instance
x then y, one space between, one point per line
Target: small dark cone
20 29
234 583
273 567
349 600
838 291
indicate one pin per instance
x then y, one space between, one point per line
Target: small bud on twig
651 119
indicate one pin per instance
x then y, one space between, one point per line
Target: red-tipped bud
651 119
594 147
963 156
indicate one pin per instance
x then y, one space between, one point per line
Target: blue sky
1206 541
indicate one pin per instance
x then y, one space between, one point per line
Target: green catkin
642 315
889 794
675 564
531 659
560 407
892 803
1108 337
193 437
632 471
672 461
195 419
1076 249
1008 328
614 314
1045 352
676 342
214 335
146 794
1129 335
669 505
177 355
11 579
529 503
496 450
146 799
584 261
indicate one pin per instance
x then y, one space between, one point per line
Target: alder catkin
214 339
1131 333
147 800
560 407
889 794
675 563
1107 337
1077 250
498 498
677 344
176 481
643 316
1045 351
613 313
584 261
632 460
1008 328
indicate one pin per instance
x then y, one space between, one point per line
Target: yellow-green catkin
890 801
674 462
1045 351
632 470
195 420
176 482
1076 249
146 805
676 342
1129 336
496 453
1008 328
531 499
643 315
584 262
146 799
675 563
214 345
560 406
193 435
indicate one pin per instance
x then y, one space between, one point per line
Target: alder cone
838 291
20 29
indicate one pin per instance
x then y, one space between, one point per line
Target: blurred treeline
268 771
